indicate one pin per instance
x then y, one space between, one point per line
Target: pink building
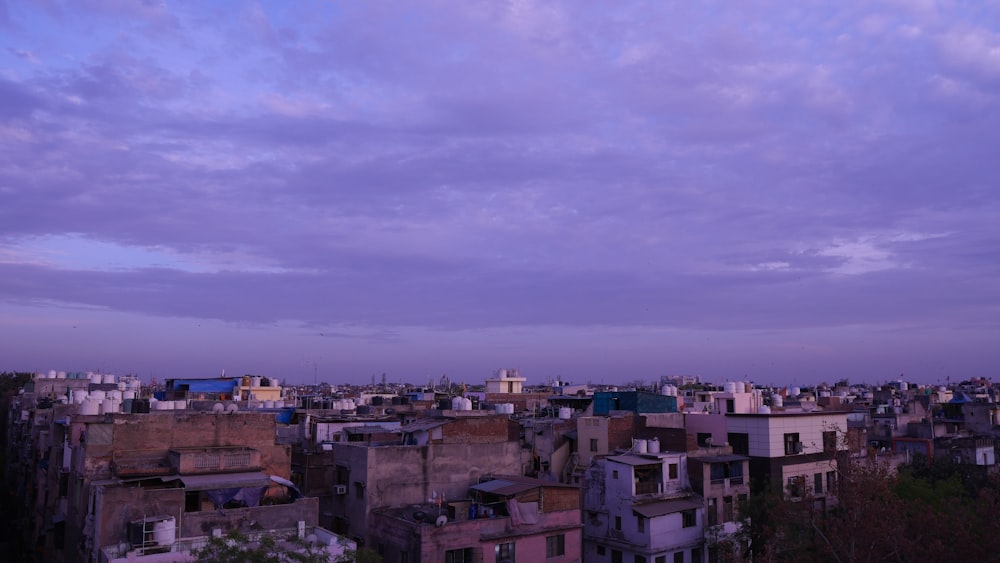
503 519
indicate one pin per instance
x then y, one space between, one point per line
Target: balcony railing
728 482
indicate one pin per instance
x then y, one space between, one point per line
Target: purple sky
786 192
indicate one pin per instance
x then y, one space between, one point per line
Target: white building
639 508
505 381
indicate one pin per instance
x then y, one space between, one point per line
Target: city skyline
783 194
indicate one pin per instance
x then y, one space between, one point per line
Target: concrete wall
386 476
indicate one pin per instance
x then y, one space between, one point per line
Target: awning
504 487
225 481
653 509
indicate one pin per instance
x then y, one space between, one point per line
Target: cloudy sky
786 192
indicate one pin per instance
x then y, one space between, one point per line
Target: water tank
245 381
641 446
664 389
255 380
377 400
232 407
98 394
654 446
729 387
508 408
565 413
90 406
466 404
444 404
114 394
108 405
794 391
747 387
128 395
218 407
52 374
268 404
108 378
275 382
764 409
777 400
165 532
95 378
456 403
79 395
61 375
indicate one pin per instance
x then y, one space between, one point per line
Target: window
831 481
505 552
679 557
618 522
641 523
593 444
727 509
673 470
795 486
359 489
741 503
555 545
614 474
818 483
458 555
601 550
830 441
404 557
713 511
740 441
688 518
730 405
696 555
704 439
616 556
660 559
792 444
639 559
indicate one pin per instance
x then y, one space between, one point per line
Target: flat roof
659 508
224 480
718 458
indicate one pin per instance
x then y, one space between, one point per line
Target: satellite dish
441 521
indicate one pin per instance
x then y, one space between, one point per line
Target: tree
235 547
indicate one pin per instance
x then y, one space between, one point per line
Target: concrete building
796 451
106 484
434 458
640 508
503 518
505 381
723 480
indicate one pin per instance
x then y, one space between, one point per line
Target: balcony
727 482
214 460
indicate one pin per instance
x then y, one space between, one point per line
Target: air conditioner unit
341 489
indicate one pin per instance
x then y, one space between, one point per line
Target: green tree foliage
925 512
12 381
235 547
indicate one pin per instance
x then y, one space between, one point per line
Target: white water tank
268 404
128 394
52 374
255 381
641 446
794 391
777 401
218 407
90 406
565 413
61 375
94 377
729 387
108 378
98 394
165 532
764 409
654 446
466 404
456 403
